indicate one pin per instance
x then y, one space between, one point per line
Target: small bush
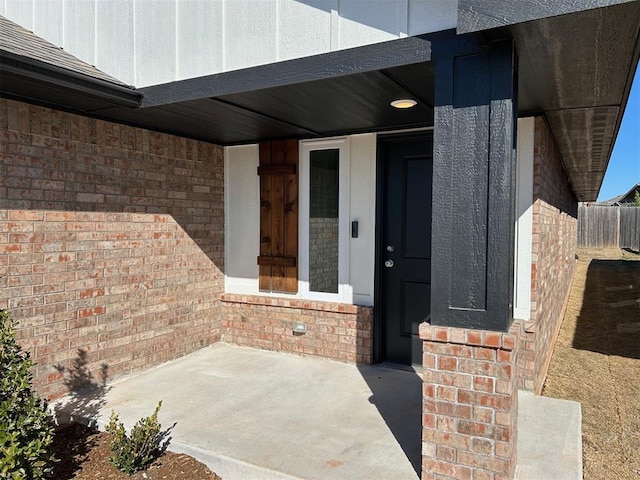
131 453
26 427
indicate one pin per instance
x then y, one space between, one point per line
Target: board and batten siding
148 42
242 220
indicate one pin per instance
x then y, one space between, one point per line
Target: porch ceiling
343 92
575 69
359 102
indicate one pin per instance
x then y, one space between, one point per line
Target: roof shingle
17 40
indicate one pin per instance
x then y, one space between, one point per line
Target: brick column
470 404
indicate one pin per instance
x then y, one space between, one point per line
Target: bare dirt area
596 361
84 455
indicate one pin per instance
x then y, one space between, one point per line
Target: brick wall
334 330
553 257
111 241
470 404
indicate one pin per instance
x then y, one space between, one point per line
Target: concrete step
549 438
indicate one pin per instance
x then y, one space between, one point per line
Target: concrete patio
256 415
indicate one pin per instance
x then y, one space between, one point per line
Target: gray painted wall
147 42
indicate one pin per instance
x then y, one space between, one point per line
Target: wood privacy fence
604 226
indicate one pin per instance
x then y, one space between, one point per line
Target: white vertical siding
431 16
147 42
242 218
363 210
48 20
21 12
199 29
524 219
250 33
155 41
80 29
304 28
373 21
114 23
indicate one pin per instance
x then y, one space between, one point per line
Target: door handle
388 263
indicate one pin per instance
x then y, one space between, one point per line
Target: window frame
345 291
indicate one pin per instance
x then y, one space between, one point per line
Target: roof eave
47 74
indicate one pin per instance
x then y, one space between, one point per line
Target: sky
624 166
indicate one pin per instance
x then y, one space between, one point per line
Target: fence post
617 240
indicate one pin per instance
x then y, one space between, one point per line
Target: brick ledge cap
468 336
299 303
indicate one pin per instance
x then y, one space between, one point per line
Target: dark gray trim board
473 198
368 58
478 15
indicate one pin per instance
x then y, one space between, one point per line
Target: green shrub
26 427
134 452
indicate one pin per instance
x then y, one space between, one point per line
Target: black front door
405 243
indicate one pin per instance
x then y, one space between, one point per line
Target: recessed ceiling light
404 103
